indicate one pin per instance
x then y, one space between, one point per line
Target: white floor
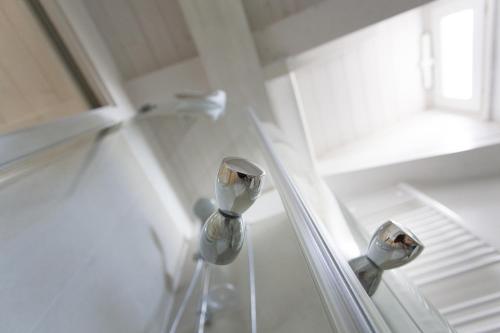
425 134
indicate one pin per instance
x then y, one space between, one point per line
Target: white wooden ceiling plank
265 14
122 59
323 22
178 28
353 81
334 110
370 87
277 10
252 13
127 29
322 91
310 104
289 7
227 50
13 105
155 30
340 107
39 45
382 70
21 65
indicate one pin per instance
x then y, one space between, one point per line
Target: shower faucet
237 186
203 208
391 246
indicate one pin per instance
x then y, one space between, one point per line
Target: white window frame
439 10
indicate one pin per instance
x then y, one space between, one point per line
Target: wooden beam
227 51
323 23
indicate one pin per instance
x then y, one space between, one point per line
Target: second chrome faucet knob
391 246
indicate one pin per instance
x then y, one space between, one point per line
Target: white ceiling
262 13
143 36
147 35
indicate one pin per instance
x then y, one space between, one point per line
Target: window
457 32
457 54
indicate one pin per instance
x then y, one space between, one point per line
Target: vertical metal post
204 297
251 273
189 292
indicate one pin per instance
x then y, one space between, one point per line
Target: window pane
456 49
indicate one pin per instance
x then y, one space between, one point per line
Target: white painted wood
286 103
142 36
416 137
473 302
35 85
263 13
177 26
80 56
228 53
102 25
322 23
160 87
363 83
156 33
98 53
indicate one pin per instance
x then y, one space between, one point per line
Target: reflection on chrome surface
391 246
238 185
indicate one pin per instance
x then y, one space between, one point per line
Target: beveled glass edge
350 308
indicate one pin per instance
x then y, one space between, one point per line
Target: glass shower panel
397 305
268 287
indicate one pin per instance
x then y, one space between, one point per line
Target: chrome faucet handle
238 185
203 208
391 246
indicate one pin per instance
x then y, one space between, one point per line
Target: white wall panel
82 248
362 83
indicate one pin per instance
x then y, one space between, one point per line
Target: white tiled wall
80 249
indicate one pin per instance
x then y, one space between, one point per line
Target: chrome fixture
203 208
391 246
212 105
238 185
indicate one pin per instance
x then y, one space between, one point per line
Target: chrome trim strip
182 308
204 297
251 273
